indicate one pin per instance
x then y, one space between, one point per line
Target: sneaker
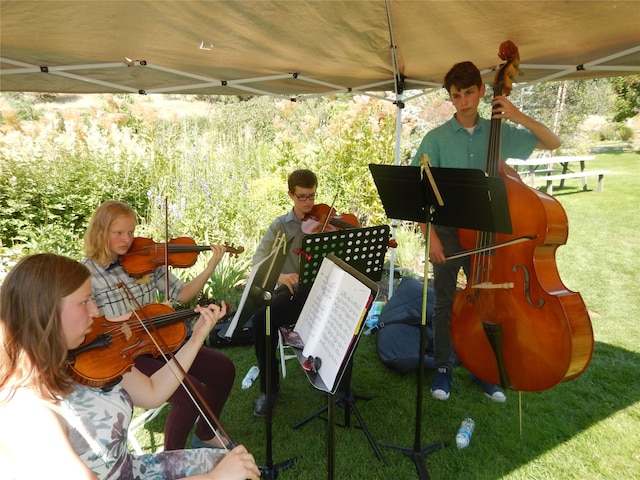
490 391
260 407
441 385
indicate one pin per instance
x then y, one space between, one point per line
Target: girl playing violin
46 308
109 235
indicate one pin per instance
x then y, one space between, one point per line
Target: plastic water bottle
250 377
464 433
374 314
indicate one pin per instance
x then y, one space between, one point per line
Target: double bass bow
516 324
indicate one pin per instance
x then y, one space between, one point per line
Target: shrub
625 133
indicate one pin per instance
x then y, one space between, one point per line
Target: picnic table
534 169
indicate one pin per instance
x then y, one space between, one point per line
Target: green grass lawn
588 428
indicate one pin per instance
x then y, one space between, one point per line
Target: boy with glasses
286 304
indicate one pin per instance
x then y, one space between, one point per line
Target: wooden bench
583 175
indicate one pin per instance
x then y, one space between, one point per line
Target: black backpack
243 334
398 329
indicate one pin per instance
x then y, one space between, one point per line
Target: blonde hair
33 348
96 238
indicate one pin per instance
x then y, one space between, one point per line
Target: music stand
344 374
261 285
364 250
462 198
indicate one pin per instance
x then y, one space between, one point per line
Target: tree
627 102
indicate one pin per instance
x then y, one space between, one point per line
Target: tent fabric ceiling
295 48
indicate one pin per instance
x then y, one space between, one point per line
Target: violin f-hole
129 347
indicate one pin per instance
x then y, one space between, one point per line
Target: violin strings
135 327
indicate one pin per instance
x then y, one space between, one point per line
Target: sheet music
330 318
270 259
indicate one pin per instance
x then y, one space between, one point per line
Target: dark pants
213 374
284 312
444 287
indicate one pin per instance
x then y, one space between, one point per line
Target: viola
516 324
111 347
145 255
323 218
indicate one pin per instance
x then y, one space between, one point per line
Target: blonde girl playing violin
46 309
109 235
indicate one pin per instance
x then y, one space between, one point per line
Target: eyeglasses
302 198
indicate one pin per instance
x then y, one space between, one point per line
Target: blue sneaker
441 385
490 391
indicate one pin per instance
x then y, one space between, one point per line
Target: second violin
145 255
324 218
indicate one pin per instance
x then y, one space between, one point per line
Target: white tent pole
396 161
399 89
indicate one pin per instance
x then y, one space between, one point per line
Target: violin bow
326 220
192 391
166 248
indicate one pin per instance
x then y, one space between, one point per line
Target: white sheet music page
331 317
278 244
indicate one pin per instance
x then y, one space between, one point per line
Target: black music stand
364 250
464 198
261 285
343 379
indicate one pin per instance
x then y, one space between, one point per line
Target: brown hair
463 75
96 238
33 349
302 178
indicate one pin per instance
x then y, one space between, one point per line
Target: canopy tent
301 48
295 48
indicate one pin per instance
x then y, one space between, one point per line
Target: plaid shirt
113 301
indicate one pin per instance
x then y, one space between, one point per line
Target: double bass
516 324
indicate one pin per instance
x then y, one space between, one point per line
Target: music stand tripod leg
270 471
347 401
418 452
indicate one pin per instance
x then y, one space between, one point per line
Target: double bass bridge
493 286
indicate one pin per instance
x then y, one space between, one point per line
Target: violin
145 255
111 347
323 218
516 324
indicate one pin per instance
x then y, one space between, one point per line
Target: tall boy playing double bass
462 142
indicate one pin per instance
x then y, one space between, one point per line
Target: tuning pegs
232 250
